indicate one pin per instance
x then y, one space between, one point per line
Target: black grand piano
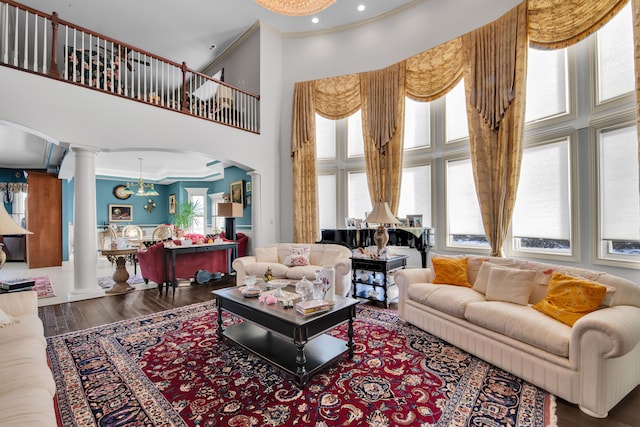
418 238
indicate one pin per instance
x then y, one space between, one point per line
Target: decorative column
256 210
85 258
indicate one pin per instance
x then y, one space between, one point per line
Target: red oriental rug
170 369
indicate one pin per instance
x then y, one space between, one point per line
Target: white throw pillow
268 254
482 279
510 285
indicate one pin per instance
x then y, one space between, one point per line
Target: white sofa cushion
258 269
448 298
267 254
296 273
509 285
523 323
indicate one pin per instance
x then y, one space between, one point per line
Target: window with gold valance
431 74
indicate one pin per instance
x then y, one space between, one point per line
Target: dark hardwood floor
68 317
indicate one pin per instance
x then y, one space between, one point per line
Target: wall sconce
150 205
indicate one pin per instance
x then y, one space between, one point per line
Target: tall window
358 195
415 194
541 219
615 56
618 197
198 196
456 114
417 126
327 206
547 83
217 222
464 221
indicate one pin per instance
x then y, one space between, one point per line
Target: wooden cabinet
371 278
44 220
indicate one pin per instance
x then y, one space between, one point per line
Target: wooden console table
170 253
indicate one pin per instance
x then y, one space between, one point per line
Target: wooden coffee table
292 342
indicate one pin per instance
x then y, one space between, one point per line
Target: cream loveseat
26 383
278 256
594 363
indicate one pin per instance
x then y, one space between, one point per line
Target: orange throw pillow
570 298
450 271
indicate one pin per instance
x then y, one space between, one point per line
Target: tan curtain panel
383 131
555 24
337 97
434 72
303 153
495 83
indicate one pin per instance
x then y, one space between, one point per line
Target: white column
85 257
257 227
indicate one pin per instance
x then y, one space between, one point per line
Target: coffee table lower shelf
282 352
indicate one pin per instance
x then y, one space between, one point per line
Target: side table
121 275
368 287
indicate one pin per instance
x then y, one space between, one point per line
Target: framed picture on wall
172 204
120 213
248 187
236 189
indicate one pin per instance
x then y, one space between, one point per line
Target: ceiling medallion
295 7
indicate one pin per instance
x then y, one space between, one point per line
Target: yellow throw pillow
450 271
570 298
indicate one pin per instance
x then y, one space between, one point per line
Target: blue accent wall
140 216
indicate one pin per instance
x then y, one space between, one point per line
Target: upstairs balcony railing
44 44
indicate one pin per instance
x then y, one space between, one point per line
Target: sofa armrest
19 303
343 277
617 327
404 278
239 265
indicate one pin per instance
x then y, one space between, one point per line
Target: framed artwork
172 204
236 189
350 222
120 213
247 200
248 187
415 220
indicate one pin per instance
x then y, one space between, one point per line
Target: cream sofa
26 383
275 256
594 363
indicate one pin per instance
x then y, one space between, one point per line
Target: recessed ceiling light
315 20
361 8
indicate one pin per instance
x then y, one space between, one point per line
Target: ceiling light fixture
361 8
144 190
295 7
315 20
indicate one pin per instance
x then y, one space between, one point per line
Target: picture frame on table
120 213
350 222
172 204
404 222
415 220
236 190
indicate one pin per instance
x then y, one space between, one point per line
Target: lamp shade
381 214
230 210
7 225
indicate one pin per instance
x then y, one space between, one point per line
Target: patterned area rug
107 282
169 369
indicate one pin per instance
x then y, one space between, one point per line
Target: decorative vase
328 277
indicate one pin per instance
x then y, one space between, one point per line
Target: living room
272 159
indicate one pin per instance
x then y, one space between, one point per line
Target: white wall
369 47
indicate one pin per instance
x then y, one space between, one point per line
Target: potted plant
185 215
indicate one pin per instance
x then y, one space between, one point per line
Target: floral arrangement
268 275
196 238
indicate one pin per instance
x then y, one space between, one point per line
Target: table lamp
8 227
381 214
230 211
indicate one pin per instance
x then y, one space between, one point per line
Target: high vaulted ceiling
179 31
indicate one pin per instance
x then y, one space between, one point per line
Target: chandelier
143 189
295 7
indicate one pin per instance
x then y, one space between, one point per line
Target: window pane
615 56
415 194
358 195
542 213
546 84
355 143
464 220
325 138
618 182
417 127
456 113
327 201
